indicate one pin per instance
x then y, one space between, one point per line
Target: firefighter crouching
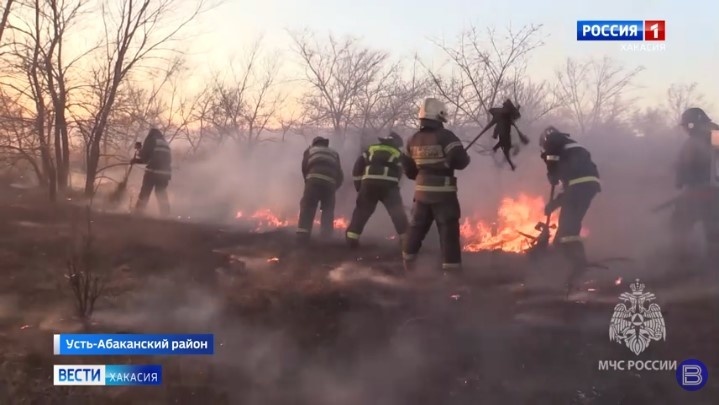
434 154
571 164
323 175
376 174
696 176
155 153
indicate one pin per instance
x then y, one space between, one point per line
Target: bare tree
138 106
336 72
537 99
681 96
594 90
61 15
289 123
390 101
4 18
135 32
481 69
18 143
242 106
29 83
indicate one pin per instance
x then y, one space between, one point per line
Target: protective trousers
446 214
322 193
158 182
369 195
692 207
575 205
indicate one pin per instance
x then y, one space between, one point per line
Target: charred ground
324 326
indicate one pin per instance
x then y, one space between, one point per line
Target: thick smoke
636 175
264 364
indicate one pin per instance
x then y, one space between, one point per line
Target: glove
553 180
553 205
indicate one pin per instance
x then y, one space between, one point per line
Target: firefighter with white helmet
697 172
434 154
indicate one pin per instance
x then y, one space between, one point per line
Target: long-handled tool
522 137
476 138
665 205
540 243
119 192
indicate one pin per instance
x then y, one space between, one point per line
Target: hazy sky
404 27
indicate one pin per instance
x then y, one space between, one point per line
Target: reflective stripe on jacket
435 154
569 162
157 155
379 162
323 163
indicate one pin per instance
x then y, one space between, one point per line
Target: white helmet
433 109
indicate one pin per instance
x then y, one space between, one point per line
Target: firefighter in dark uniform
571 165
434 154
323 175
376 174
696 176
157 156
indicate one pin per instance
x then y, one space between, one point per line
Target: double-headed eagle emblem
633 324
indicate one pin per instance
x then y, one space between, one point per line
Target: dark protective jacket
434 154
694 166
382 162
156 154
322 163
568 162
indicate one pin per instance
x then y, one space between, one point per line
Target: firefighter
377 173
434 154
322 171
696 174
571 165
155 153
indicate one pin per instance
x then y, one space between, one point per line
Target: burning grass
515 218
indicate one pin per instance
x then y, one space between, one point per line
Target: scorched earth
326 326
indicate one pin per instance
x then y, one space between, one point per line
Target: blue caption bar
610 30
132 344
111 374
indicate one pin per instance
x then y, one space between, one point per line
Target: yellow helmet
433 109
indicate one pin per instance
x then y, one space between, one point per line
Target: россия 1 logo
621 30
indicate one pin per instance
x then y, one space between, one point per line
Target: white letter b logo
691 375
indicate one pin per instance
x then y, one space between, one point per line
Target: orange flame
265 219
515 217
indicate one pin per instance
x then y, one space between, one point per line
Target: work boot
410 266
575 253
302 238
352 243
452 270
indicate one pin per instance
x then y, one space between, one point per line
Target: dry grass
287 335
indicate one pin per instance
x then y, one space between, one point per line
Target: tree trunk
97 135
62 149
38 171
50 173
93 160
58 156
